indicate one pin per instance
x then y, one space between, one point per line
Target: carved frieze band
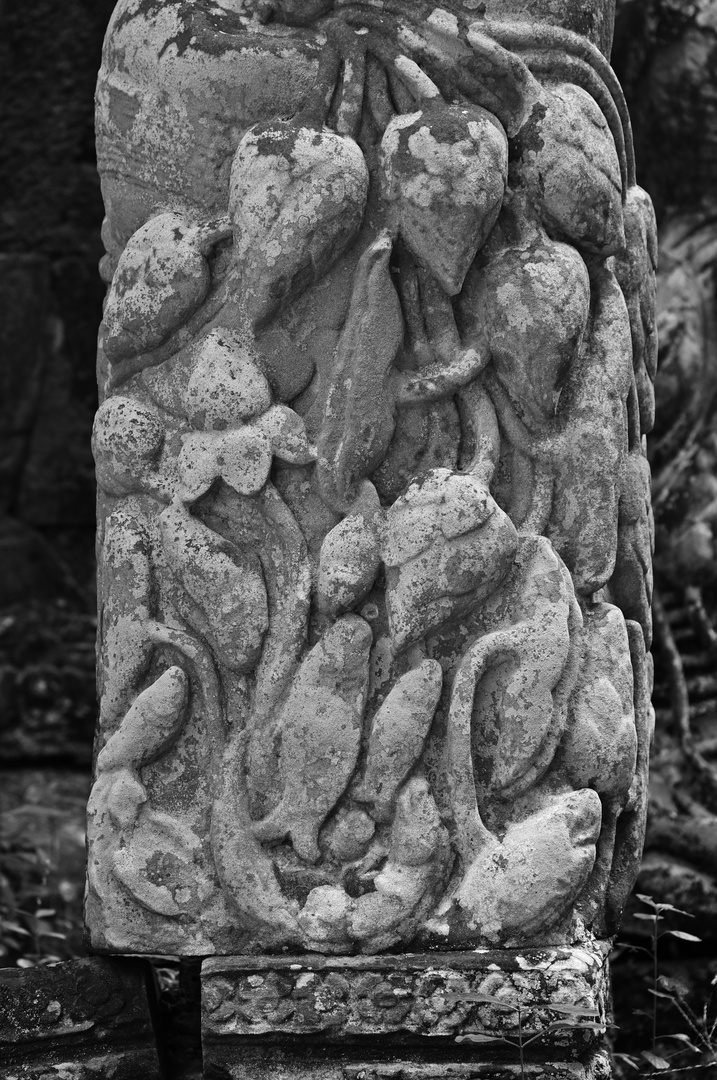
429 994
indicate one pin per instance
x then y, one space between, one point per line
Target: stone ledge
417 1000
313 1062
82 1019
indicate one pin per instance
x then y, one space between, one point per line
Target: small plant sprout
672 991
573 1017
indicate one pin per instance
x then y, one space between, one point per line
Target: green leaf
659 994
480 1038
683 1039
654 1060
646 917
646 899
678 911
681 935
629 1059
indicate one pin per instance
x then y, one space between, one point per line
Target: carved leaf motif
448 545
242 458
635 269
158 865
225 582
197 464
631 583
527 883
347 835
600 744
161 278
245 460
324 916
568 162
297 199
408 450
591 454
444 171
503 82
119 794
244 867
320 734
532 302
509 700
630 834
126 439
349 561
289 584
286 433
408 882
151 726
359 412
398 734
125 590
227 386
404 889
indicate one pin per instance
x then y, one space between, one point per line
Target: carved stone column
375 534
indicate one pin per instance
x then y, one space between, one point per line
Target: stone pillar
375 533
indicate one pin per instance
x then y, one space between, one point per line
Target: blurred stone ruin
665 55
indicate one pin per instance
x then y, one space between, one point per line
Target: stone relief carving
375 535
425 995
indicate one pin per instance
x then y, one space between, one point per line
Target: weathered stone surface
434 1014
375 539
429 994
84 1019
304 1063
258 1064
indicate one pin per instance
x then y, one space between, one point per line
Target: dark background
50 308
50 292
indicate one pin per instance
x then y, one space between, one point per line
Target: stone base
317 1063
80 1020
411 1017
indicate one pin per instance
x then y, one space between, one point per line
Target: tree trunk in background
665 54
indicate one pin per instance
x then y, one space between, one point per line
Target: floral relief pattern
359 999
375 536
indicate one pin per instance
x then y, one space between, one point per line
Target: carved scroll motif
375 539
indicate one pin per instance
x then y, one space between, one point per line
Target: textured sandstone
375 536
81 1019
